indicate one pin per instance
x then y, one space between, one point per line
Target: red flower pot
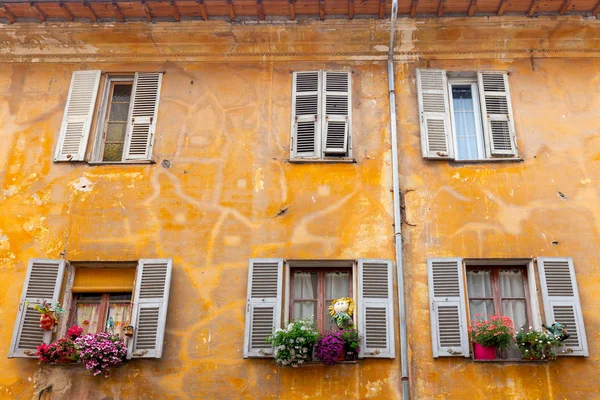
46 322
484 353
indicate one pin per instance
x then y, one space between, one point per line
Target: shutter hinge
453 352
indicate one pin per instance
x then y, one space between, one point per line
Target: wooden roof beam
231 10
565 7
413 8
93 16
292 9
65 10
176 14
147 11
596 9
381 9
260 10
472 7
118 11
501 7
38 11
9 15
534 6
441 8
203 10
322 9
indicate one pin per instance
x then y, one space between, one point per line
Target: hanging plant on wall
49 314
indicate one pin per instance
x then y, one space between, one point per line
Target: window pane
479 283
515 310
465 122
87 317
116 132
337 285
119 112
118 317
511 283
305 310
119 297
113 152
483 307
122 93
305 285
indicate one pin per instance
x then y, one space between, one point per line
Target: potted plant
489 335
100 352
49 314
351 344
330 347
294 344
539 345
63 350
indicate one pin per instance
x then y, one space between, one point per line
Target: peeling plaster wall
223 124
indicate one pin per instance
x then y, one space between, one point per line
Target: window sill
327 160
511 361
139 162
487 161
319 363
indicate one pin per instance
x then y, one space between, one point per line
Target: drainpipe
397 200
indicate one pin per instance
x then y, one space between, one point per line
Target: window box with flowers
491 335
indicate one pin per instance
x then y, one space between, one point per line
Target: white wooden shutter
561 301
43 282
306 109
263 305
338 112
142 116
77 119
376 308
434 109
449 333
498 123
149 309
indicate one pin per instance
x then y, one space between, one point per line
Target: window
309 287
501 287
312 291
466 116
321 116
102 312
125 118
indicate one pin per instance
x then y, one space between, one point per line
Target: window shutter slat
263 305
376 308
43 282
338 112
141 125
561 301
306 109
149 311
496 107
436 134
77 118
448 316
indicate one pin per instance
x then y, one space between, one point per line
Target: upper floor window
466 116
125 122
321 127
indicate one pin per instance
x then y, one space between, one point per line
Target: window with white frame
310 286
321 127
466 116
125 118
502 287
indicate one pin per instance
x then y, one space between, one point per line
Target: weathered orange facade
224 123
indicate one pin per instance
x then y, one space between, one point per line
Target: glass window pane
116 132
483 307
305 285
119 112
117 317
113 152
465 122
119 297
515 310
122 93
87 317
337 284
479 283
511 283
305 310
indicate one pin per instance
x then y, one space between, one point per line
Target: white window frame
481 153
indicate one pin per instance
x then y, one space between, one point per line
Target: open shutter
306 108
338 112
561 301
376 308
149 310
449 333
263 305
436 134
498 123
77 119
142 117
43 282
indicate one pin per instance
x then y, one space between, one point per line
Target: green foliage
294 344
352 339
495 332
536 345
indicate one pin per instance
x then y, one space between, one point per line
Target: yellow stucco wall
223 123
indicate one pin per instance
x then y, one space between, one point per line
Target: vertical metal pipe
397 215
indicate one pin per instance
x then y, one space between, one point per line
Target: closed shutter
142 119
263 305
149 311
436 134
449 333
561 301
306 108
498 123
376 308
77 119
338 112
43 282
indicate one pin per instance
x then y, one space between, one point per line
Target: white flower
530 327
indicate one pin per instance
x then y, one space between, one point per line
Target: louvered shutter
306 108
498 123
43 282
142 116
436 130
149 310
448 316
376 308
561 301
77 119
263 305
338 112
